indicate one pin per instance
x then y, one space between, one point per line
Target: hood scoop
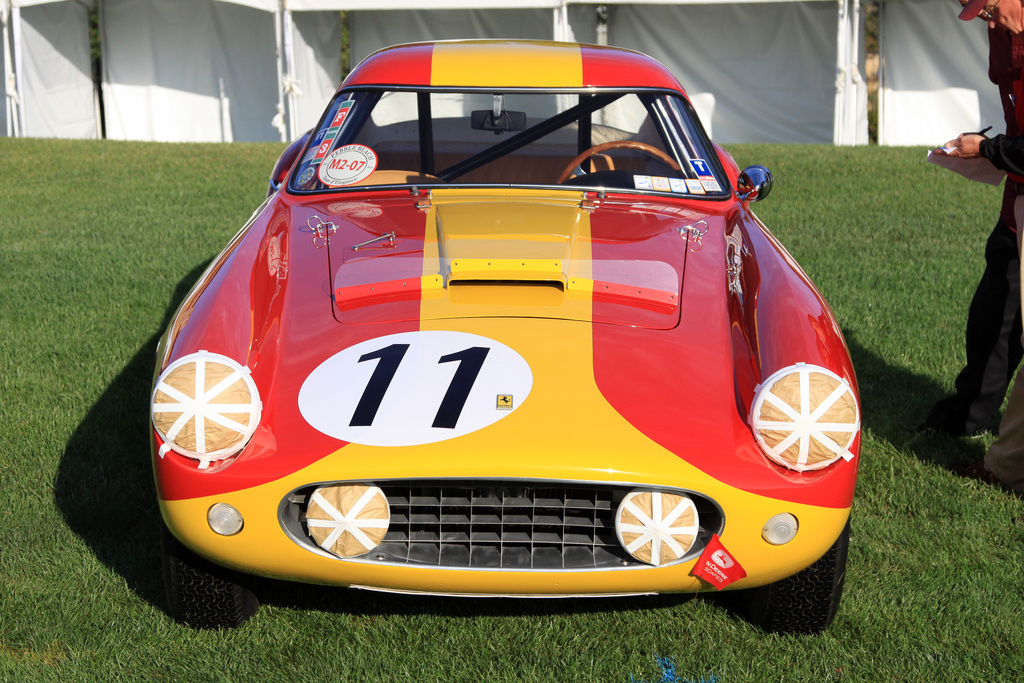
528 271
508 242
495 257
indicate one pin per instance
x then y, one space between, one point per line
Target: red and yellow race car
506 325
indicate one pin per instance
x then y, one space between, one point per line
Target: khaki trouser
1005 458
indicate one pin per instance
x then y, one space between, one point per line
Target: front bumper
275 542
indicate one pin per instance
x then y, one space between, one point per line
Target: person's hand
965 146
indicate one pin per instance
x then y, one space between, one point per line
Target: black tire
806 602
201 593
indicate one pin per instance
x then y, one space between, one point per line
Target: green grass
99 241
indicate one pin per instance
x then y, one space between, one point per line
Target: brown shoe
975 470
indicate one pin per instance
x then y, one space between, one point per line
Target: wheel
805 602
200 593
617 144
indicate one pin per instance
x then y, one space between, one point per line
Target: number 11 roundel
414 388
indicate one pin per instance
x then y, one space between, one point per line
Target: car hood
466 254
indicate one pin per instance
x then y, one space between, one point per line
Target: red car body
432 363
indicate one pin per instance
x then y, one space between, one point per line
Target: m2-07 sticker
347 165
415 388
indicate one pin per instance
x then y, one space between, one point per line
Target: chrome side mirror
754 183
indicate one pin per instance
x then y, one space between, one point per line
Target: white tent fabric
189 71
934 79
49 88
755 72
213 70
306 5
374 29
313 49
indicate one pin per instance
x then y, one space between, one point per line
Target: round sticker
347 165
415 388
305 177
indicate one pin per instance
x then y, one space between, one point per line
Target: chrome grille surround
500 525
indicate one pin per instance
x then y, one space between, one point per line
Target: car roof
510 64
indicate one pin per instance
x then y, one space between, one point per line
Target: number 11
470 362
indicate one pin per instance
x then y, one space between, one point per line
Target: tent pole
859 82
880 106
19 105
5 12
562 22
842 75
283 119
289 75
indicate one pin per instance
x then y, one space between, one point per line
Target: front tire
806 602
201 593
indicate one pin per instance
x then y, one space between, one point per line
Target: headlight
205 406
805 417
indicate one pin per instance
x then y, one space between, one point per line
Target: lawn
99 241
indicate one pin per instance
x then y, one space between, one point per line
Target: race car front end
505 443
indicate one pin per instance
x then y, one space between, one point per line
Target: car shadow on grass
104 485
894 402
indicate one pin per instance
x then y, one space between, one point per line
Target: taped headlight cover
805 417
205 406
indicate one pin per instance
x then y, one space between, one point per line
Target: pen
984 130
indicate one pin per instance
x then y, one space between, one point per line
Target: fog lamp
656 527
224 519
780 529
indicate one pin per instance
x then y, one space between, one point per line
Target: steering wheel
617 144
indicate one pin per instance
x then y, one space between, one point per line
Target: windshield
642 141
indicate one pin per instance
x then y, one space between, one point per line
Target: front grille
507 525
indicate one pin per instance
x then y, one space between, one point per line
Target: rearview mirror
484 119
754 183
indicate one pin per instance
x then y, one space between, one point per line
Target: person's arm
1005 153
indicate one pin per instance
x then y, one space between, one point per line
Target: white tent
759 71
191 70
222 70
934 77
47 69
786 71
374 24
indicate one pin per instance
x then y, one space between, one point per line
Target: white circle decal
347 165
415 388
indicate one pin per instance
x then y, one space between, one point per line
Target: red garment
1005 69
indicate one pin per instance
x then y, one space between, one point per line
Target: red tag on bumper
717 566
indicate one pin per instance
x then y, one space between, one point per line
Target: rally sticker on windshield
415 388
706 177
347 165
660 184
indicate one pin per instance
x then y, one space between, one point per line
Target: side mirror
754 183
285 162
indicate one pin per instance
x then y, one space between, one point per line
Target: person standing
993 335
1004 462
